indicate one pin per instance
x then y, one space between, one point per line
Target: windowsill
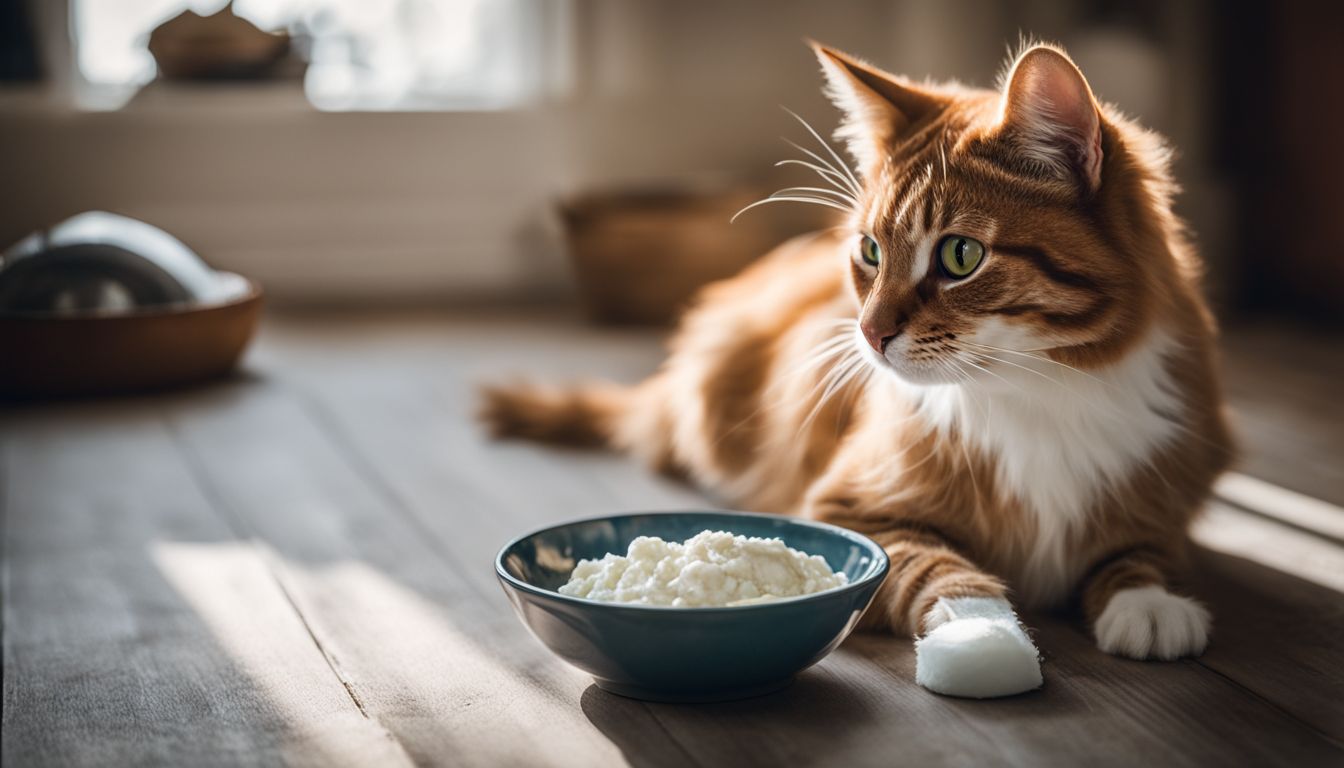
258 97
164 97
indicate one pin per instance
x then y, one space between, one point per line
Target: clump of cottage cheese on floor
712 568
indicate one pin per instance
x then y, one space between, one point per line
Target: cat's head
992 225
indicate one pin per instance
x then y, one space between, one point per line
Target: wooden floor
295 567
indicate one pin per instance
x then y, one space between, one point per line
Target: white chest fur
1058 438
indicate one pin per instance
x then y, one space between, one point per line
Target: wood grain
138 628
297 567
1277 636
432 456
408 630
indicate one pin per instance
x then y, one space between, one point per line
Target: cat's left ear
1050 113
879 107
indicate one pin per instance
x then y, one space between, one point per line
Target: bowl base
693 697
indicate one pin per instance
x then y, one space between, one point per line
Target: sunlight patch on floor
402 656
231 589
416 649
1276 546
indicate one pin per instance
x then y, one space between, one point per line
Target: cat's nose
879 336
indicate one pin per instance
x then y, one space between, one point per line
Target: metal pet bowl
103 304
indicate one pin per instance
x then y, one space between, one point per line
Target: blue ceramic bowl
687 654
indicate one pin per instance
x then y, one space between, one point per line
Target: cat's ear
1049 113
878 106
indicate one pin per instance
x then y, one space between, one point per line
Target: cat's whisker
825 351
809 197
846 187
911 467
820 191
839 321
842 338
825 383
839 161
953 365
773 199
1102 404
839 377
836 341
815 359
970 472
991 373
852 186
834 178
1052 380
1097 403
824 172
846 384
860 381
838 372
842 332
1042 358
1024 351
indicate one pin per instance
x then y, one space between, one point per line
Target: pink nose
878 336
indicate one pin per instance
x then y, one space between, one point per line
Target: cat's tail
586 414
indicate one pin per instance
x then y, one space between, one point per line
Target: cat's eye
870 251
960 256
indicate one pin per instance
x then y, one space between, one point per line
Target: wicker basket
640 255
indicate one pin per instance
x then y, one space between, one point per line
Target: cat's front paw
1151 623
976 648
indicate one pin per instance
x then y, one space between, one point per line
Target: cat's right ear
878 106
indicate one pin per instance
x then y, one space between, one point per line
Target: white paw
941 613
1150 622
976 648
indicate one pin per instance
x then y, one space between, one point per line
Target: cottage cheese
712 568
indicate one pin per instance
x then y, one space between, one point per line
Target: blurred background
420 150
464 155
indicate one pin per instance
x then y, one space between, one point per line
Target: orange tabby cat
1001 369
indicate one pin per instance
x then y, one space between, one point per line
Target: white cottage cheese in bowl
710 569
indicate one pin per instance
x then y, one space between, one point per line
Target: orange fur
584 415
1085 262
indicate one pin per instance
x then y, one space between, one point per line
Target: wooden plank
415 433
421 641
417 437
860 707
1282 505
433 453
1275 594
137 628
1303 555
1283 384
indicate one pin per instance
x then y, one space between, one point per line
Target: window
362 54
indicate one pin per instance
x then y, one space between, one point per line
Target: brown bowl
147 349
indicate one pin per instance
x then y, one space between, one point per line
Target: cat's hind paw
1151 623
976 648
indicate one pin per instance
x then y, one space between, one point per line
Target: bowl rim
877 574
255 292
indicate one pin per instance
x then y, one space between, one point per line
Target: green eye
870 251
960 256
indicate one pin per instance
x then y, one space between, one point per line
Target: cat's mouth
913 365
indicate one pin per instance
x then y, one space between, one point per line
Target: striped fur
1043 429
